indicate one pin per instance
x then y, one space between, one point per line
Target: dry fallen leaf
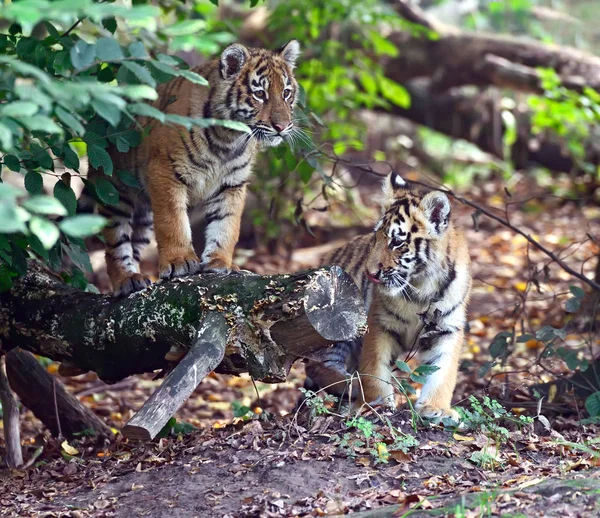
67 448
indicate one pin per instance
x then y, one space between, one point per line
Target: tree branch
10 417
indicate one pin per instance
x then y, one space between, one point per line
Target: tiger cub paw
432 412
131 284
173 267
217 265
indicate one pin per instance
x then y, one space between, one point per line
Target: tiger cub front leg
223 214
169 199
374 366
435 400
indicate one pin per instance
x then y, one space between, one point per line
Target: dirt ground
270 463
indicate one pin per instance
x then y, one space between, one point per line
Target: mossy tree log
271 321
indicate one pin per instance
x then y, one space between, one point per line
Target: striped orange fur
414 274
210 167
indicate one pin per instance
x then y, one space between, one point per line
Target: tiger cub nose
279 127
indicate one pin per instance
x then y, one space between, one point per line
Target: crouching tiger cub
414 273
209 166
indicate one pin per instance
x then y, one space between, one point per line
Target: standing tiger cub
211 166
414 274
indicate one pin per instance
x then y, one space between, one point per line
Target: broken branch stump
37 388
10 418
206 354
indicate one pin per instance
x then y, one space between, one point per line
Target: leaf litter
253 457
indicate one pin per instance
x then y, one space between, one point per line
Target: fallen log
271 321
43 394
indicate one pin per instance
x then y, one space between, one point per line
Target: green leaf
572 305
66 196
577 292
525 338
12 162
107 111
416 377
69 120
82 225
110 24
41 123
70 158
499 345
106 191
128 179
43 204
193 77
403 366
426 369
185 27
45 231
78 255
99 157
394 92
137 50
11 219
592 404
147 111
8 191
108 49
6 137
136 92
140 72
36 245
19 109
34 183
368 82
383 47
82 55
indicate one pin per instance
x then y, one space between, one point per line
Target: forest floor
242 454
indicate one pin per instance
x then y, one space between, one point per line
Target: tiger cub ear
397 182
290 52
232 60
436 207
393 184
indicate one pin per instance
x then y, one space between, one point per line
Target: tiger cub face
408 238
262 89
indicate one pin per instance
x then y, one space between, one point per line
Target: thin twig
72 28
60 435
486 212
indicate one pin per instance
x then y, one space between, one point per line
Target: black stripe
337 255
122 240
114 211
239 167
223 189
391 313
395 335
141 240
190 155
447 282
213 216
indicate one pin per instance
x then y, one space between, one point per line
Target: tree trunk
271 321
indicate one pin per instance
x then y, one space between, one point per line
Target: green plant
241 411
318 402
487 416
571 115
175 428
73 75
